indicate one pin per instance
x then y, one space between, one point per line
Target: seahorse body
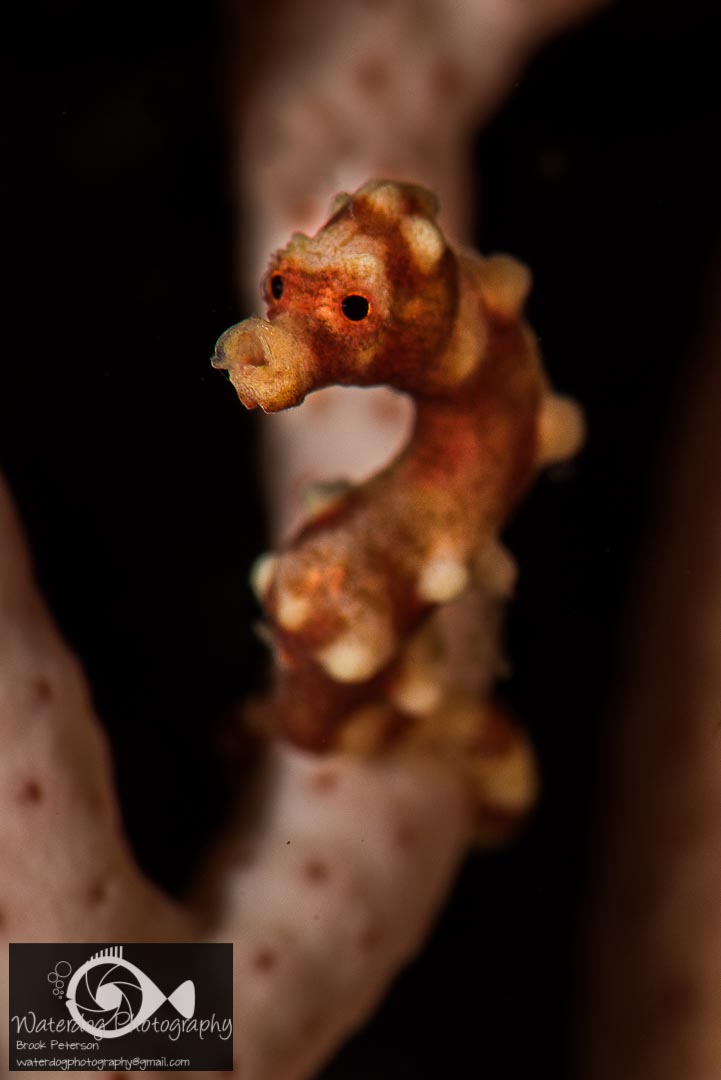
378 296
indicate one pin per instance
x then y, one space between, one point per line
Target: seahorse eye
355 308
276 286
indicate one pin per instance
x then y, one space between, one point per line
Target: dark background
135 469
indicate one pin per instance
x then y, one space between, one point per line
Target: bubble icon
59 976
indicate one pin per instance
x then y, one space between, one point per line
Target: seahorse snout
239 345
267 364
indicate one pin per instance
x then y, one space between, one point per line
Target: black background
135 469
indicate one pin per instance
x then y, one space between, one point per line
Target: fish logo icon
108 996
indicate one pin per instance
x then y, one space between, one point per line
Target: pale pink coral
294 883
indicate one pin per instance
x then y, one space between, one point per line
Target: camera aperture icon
108 996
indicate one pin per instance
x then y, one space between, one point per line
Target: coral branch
67 870
297 885
332 891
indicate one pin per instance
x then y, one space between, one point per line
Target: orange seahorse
378 296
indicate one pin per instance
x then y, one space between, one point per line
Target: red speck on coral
265 959
30 792
315 870
325 781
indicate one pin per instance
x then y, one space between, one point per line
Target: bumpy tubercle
345 599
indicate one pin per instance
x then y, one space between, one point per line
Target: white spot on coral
424 240
292 610
417 695
510 783
442 579
505 284
561 430
386 198
351 659
262 573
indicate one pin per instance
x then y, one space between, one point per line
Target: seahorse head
371 298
